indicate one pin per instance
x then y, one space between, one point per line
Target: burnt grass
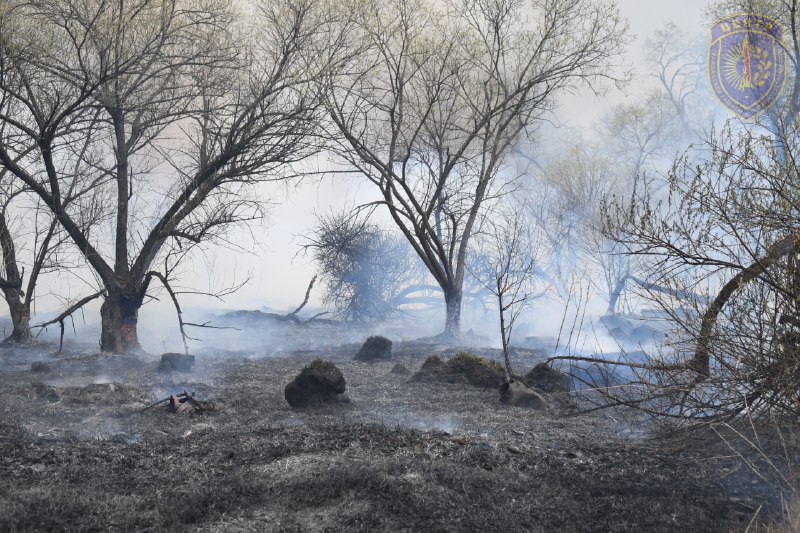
80 449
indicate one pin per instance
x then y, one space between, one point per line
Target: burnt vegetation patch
320 382
463 368
96 457
179 362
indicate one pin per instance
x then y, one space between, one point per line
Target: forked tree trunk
20 315
119 316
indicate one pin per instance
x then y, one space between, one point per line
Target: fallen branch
675 293
321 313
305 300
629 364
208 325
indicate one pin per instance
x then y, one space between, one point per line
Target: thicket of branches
368 272
728 232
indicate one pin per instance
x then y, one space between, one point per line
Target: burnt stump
547 379
179 362
375 348
466 368
318 383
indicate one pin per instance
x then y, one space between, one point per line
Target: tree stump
179 362
320 382
375 348
547 379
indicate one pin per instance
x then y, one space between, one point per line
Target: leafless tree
439 94
157 116
31 237
17 290
677 58
508 248
639 132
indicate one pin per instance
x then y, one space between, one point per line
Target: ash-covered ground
81 449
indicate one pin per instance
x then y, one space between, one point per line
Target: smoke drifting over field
278 275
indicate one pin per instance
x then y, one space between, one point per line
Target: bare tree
30 239
640 132
439 94
159 117
508 248
17 291
679 64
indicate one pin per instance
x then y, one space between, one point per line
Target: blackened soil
81 450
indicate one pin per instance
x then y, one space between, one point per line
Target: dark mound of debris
516 393
255 318
40 367
319 382
400 369
375 348
463 368
45 392
547 379
179 362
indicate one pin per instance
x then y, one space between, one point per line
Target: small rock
516 393
513 449
459 440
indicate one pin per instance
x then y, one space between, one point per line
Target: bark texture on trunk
452 324
119 316
20 315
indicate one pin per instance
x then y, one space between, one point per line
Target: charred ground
80 449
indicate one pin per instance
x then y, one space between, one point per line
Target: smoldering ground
82 448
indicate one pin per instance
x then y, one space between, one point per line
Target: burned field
83 447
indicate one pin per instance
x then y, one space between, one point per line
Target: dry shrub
465 368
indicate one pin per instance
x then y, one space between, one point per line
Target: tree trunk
20 315
613 298
504 333
452 324
119 316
